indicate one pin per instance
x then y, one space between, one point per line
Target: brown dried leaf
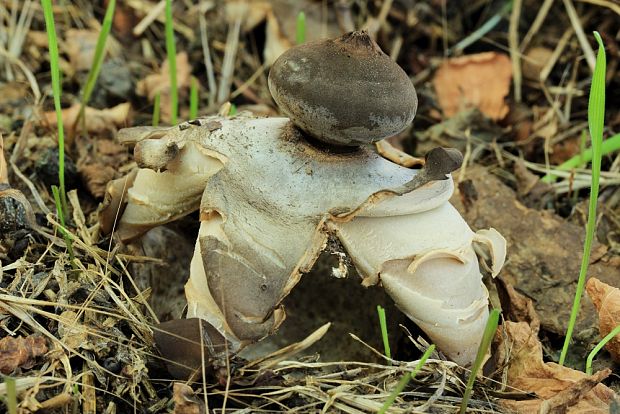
185 402
481 80
534 61
606 298
20 352
518 307
557 388
160 83
80 46
96 120
96 177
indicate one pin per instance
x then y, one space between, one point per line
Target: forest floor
505 82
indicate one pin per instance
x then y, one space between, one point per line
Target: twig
228 67
207 59
33 190
535 27
513 42
581 36
604 3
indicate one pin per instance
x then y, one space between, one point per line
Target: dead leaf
20 352
534 61
557 388
481 80
96 120
96 177
99 163
606 298
518 307
564 150
185 401
73 334
160 83
80 47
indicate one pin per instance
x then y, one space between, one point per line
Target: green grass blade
405 380
60 215
95 68
193 99
384 332
485 343
609 146
233 110
599 346
172 63
55 72
300 30
596 119
156 109
11 395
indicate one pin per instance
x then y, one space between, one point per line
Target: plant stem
487 337
55 71
599 346
384 332
172 63
405 380
596 119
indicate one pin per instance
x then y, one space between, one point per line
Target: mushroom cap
343 91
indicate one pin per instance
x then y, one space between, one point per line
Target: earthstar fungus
270 196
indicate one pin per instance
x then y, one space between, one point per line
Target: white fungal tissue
268 202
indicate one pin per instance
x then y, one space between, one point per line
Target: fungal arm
427 264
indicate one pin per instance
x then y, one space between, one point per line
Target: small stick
4 172
513 41
581 36
207 59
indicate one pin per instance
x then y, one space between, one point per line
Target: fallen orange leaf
481 80
607 301
557 388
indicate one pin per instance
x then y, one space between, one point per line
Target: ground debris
20 352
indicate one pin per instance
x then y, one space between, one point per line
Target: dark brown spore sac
343 91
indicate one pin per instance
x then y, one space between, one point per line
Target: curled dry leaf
160 83
268 202
481 80
607 301
557 388
96 120
20 352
